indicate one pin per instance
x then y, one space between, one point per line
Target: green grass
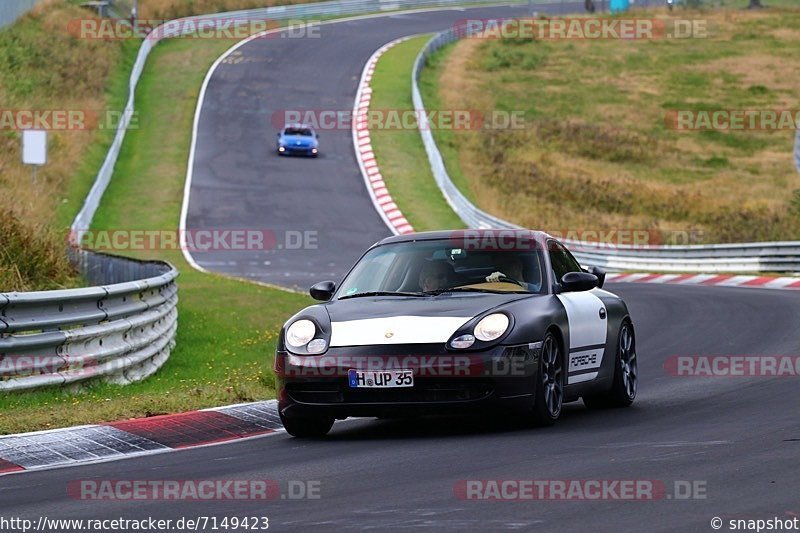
227 328
399 152
596 151
95 154
39 58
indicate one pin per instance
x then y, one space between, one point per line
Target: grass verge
227 328
39 58
596 152
399 152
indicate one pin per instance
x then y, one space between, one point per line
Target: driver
434 275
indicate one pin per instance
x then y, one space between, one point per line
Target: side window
561 260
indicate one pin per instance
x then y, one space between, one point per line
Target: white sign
34 147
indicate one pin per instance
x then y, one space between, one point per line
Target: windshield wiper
473 289
381 293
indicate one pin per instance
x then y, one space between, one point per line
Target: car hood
407 320
304 140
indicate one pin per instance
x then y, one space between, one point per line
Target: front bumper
444 381
298 150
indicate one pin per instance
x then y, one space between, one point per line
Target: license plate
379 379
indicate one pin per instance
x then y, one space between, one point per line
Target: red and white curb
722 280
139 436
365 156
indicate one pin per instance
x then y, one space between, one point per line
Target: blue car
298 139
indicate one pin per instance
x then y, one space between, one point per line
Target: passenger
508 266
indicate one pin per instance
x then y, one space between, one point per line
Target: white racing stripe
395 330
586 328
580 378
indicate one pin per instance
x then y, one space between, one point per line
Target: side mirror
323 290
601 276
279 135
317 135
579 281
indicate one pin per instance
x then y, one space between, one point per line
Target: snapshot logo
578 490
733 366
63 119
580 28
225 28
195 240
732 119
775 523
401 119
192 489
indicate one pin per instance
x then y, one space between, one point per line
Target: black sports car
441 321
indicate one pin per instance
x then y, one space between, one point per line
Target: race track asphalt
738 437
239 182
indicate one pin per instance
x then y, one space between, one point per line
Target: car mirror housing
579 281
323 290
601 275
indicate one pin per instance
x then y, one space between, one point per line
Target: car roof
298 126
448 234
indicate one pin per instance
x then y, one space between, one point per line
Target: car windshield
434 267
303 132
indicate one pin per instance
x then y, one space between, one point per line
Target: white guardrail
797 150
121 330
747 257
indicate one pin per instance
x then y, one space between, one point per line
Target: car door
586 316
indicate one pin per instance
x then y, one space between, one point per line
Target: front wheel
549 393
626 373
307 426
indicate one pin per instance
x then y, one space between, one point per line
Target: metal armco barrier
746 257
121 330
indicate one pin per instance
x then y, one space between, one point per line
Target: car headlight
300 333
491 327
317 346
462 342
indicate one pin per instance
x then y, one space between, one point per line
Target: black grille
423 391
